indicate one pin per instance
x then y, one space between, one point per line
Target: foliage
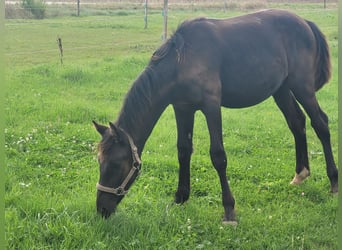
50 146
36 7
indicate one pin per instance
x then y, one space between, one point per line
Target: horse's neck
143 106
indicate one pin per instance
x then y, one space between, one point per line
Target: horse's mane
139 98
176 42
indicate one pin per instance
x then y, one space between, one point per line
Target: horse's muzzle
105 213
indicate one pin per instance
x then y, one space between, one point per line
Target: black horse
209 63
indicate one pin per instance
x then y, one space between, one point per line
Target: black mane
176 42
138 99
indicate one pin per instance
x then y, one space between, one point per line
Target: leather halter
136 166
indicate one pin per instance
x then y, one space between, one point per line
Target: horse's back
251 55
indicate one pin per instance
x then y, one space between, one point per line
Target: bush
36 8
13 11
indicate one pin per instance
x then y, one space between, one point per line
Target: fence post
145 19
78 7
60 46
165 19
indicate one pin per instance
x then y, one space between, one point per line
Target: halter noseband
136 164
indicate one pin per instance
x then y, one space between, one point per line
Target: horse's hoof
230 223
299 178
182 196
334 189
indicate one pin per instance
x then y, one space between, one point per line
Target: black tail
323 57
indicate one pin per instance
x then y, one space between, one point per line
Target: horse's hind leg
185 123
296 121
319 121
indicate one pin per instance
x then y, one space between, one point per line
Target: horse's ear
115 131
100 128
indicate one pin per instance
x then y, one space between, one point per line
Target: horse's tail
323 65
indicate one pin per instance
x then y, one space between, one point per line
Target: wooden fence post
145 18
225 5
78 7
60 46
165 19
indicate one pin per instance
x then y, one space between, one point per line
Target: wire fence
42 51
52 8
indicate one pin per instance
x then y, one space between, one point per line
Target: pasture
50 145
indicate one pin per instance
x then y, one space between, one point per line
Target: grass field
50 145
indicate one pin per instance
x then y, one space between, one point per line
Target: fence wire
47 48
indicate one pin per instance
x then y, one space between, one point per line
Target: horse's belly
236 101
251 82
248 94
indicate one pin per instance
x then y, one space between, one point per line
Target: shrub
13 11
37 8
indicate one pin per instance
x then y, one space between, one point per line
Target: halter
136 166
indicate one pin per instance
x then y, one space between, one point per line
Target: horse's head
119 167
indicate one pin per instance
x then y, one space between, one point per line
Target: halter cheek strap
136 166
121 189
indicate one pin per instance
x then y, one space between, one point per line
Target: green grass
50 145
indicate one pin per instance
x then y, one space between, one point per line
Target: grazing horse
209 63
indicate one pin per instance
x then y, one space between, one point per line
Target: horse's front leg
185 124
212 112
